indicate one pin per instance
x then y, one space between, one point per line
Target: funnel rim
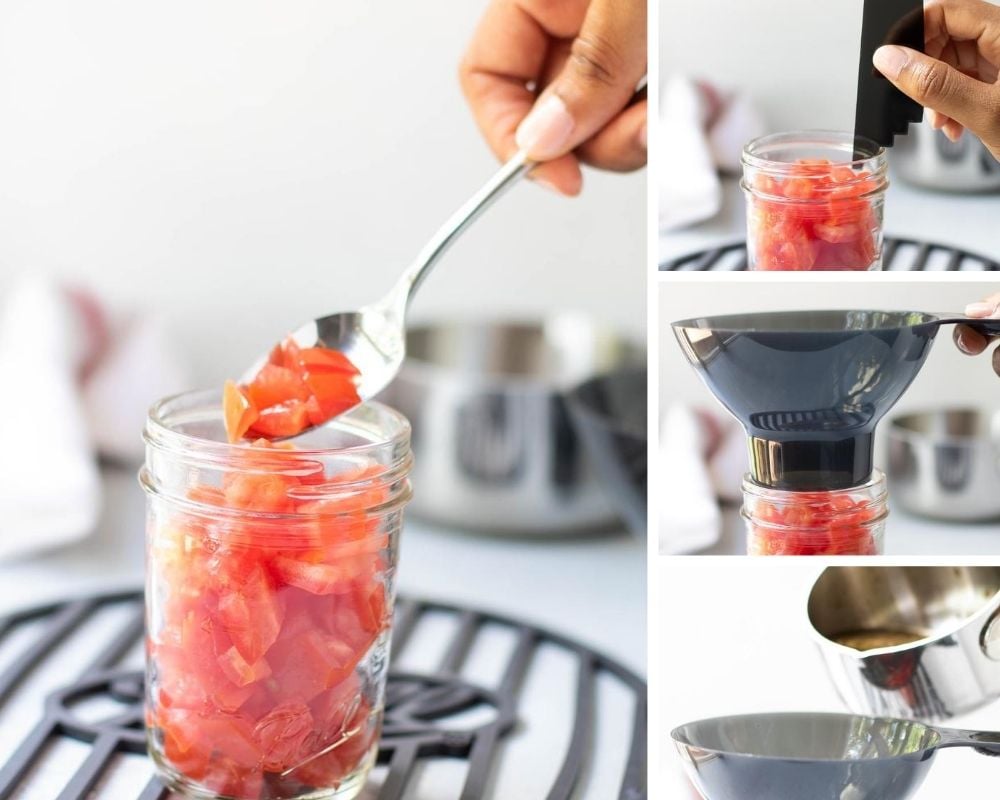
728 323
677 737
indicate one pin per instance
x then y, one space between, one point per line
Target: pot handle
989 639
985 742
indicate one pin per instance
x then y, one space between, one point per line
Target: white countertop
965 221
592 589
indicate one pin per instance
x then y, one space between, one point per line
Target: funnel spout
811 465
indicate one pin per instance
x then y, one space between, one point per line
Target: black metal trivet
421 709
897 254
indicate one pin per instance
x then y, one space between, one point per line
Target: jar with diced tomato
841 522
270 575
815 201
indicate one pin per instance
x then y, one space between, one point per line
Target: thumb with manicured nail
988 307
938 86
973 342
606 62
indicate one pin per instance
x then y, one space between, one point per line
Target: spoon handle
496 186
985 742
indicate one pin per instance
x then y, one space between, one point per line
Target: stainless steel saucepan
928 158
495 449
913 642
815 756
946 464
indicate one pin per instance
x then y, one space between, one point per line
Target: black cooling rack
419 706
901 255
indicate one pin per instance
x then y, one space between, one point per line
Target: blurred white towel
689 513
50 339
702 459
49 489
701 131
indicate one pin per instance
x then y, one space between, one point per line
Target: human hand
972 342
957 77
574 65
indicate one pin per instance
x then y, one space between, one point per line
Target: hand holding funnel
810 387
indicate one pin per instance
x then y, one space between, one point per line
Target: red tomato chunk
820 217
296 388
814 524
261 625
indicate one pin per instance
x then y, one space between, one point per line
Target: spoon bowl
367 337
374 337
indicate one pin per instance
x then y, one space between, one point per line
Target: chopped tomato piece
257 491
334 392
281 421
238 411
252 616
308 664
315 578
296 388
274 385
239 670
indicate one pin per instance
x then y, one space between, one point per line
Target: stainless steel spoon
374 337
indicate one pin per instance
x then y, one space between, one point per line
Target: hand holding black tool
956 77
883 111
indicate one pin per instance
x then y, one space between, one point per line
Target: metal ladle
806 756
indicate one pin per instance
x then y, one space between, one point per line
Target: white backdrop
241 166
798 59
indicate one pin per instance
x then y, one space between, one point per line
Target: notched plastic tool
883 111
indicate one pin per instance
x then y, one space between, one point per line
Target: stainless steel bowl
494 447
946 464
926 157
951 617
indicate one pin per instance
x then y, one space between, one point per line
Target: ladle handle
988 326
502 180
985 742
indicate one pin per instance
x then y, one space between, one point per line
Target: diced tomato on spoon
297 388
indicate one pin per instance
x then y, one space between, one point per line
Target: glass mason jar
841 522
269 594
814 201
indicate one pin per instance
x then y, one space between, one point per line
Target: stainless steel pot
494 447
928 158
946 464
952 616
